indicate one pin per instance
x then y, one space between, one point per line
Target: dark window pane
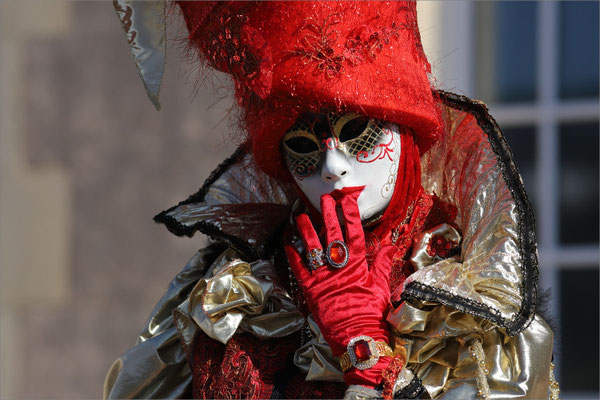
579 49
579 330
506 62
522 143
579 183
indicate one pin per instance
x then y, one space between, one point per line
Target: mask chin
376 170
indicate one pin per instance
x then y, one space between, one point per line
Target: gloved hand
350 301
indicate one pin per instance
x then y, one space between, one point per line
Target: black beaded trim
418 290
526 231
211 230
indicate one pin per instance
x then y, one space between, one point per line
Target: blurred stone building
86 162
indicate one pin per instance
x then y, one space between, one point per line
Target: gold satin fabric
438 346
462 169
227 296
236 295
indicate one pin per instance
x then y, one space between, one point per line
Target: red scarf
407 188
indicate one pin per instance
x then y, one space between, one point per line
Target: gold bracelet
363 352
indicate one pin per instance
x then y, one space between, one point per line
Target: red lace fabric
247 367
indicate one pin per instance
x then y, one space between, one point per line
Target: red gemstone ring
337 254
315 259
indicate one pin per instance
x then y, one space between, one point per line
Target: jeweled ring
337 254
315 259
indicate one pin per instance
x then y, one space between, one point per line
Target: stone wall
86 163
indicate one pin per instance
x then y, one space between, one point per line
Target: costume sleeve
157 367
458 356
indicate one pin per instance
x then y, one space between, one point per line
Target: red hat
291 57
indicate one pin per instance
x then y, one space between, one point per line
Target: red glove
350 301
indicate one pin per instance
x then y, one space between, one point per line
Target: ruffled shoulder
495 276
238 205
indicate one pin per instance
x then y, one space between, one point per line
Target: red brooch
440 246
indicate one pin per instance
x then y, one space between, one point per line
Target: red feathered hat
291 57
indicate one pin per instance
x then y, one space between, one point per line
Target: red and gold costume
458 233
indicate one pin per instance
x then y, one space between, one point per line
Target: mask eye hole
350 126
301 145
302 152
353 128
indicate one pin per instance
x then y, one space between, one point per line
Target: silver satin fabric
462 169
230 295
157 367
245 183
316 358
144 25
237 202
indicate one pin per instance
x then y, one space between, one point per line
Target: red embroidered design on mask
331 143
381 150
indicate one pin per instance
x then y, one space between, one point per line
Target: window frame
454 63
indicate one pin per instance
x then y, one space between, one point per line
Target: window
536 65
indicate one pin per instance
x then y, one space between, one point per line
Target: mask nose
335 166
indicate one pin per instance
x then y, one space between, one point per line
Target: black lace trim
418 290
526 231
199 196
211 230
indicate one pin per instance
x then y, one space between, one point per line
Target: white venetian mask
325 152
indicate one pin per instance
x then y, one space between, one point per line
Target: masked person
371 238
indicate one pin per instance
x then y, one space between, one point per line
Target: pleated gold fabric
439 341
236 295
